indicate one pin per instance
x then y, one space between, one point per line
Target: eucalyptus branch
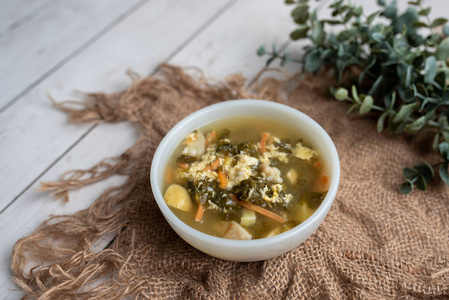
403 69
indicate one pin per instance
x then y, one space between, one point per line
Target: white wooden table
58 46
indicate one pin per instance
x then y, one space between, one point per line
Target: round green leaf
444 173
430 69
439 22
443 147
404 112
367 105
410 173
421 183
442 52
341 94
446 29
391 10
406 188
299 33
261 50
426 171
318 35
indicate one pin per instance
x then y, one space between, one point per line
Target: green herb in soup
244 189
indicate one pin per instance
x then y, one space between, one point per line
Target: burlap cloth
374 244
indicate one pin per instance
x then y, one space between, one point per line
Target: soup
245 179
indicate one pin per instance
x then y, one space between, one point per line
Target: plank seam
50 166
76 52
176 51
26 18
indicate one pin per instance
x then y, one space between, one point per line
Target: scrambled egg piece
197 171
276 197
272 152
272 174
242 170
303 152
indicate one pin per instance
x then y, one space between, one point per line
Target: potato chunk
195 144
248 218
303 212
237 232
273 232
176 196
292 176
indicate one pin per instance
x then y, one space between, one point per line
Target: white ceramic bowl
258 249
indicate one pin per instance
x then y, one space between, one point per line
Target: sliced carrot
215 164
188 140
321 185
223 179
169 176
234 198
210 138
184 165
318 164
324 180
199 213
262 211
263 143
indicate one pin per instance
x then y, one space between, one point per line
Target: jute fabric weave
374 244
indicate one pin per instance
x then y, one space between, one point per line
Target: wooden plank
36 214
37 206
106 62
230 44
34 50
83 155
16 13
34 134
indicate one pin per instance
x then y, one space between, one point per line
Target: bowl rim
242 244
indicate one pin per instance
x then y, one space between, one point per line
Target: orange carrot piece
263 142
213 166
210 137
223 179
188 140
184 165
199 213
234 198
169 176
321 185
318 164
324 179
262 211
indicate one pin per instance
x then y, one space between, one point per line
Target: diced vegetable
275 231
223 179
248 218
321 185
169 176
184 165
263 142
237 232
215 164
210 138
303 212
176 196
195 145
262 211
318 164
292 176
199 213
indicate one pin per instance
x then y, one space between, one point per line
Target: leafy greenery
402 74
